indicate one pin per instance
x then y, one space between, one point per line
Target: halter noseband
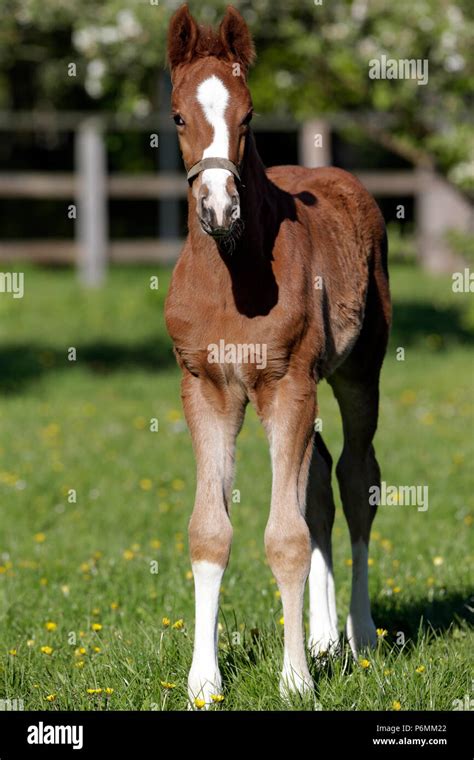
213 163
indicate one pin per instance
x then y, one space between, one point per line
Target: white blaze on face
213 97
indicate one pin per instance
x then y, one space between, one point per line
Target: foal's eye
178 120
247 119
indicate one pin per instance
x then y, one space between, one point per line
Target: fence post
169 161
91 195
314 143
440 207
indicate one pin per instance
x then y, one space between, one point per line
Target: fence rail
438 206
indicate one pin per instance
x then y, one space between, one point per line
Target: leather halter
213 163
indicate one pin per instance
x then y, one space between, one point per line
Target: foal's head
212 109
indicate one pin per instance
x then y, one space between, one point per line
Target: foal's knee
210 537
288 549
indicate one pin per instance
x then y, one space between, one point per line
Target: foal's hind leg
320 510
358 470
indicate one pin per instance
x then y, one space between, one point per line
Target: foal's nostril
204 211
234 208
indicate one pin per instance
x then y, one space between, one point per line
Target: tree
312 59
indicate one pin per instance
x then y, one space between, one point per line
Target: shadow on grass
437 615
414 321
28 363
20 364
412 619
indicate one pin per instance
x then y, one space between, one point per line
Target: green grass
84 425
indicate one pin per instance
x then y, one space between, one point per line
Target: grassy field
96 594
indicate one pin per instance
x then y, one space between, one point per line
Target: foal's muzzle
218 201
208 217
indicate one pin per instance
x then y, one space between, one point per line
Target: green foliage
312 59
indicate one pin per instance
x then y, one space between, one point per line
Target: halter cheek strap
212 163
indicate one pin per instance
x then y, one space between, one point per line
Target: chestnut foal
291 260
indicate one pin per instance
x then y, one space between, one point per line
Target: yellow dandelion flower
65 590
387 672
168 685
179 624
386 545
397 589
30 643
468 520
420 669
84 567
408 397
13 652
114 605
348 562
43 581
155 543
396 705
166 622
146 484
128 554
96 611
189 575
177 484
50 626
96 649
139 423
94 691
109 691
79 664
381 632
179 546
46 650
39 537
80 651
438 561
217 697
364 664
96 627
277 594
282 621
375 535
430 581
51 697
199 703
370 562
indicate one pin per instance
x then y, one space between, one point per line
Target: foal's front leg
289 423
214 417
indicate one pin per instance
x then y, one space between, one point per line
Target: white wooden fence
438 206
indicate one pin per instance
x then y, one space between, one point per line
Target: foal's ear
236 39
183 34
